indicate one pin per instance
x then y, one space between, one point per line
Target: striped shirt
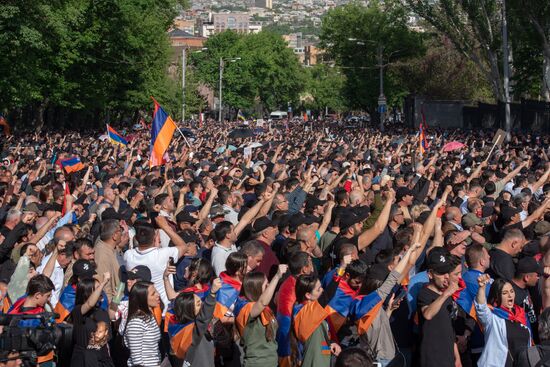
142 338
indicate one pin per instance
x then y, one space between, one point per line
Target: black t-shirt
517 337
85 325
523 300
437 334
502 265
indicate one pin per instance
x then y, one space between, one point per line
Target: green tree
325 88
530 28
266 71
360 39
442 73
474 28
83 61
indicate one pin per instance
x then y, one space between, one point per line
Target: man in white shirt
165 219
226 234
150 254
52 266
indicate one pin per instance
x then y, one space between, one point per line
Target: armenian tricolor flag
365 309
285 304
162 130
67 300
227 295
181 337
202 292
339 307
242 314
240 116
5 124
308 317
72 164
422 141
115 137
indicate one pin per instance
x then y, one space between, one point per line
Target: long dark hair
184 307
252 286
236 261
495 294
137 301
203 272
84 289
252 290
305 283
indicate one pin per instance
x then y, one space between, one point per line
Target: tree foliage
324 89
83 61
267 70
360 38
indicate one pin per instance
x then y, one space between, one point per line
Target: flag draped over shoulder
115 137
364 310
227 295
339 307
162 131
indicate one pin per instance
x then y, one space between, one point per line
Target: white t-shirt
155 259
219 256
56 278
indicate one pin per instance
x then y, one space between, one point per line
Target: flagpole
184 138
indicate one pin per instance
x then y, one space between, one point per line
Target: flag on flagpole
162 131
4 123
240 116
423 142
115 137
72 164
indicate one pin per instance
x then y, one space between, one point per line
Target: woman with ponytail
255 321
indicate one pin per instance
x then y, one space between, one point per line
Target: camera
31 336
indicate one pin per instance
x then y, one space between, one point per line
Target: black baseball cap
313 201
262 223
402 192
140 272
440 261
84 269
528 265
185 217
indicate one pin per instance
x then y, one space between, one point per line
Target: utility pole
381 97
506 72
221 81
183 66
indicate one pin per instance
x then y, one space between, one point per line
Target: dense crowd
304 244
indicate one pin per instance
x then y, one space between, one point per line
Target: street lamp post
381 98
222 66
183 75
184 67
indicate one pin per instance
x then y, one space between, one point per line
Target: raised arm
267 294
248 216
537 213
96 294
431 310
368 236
